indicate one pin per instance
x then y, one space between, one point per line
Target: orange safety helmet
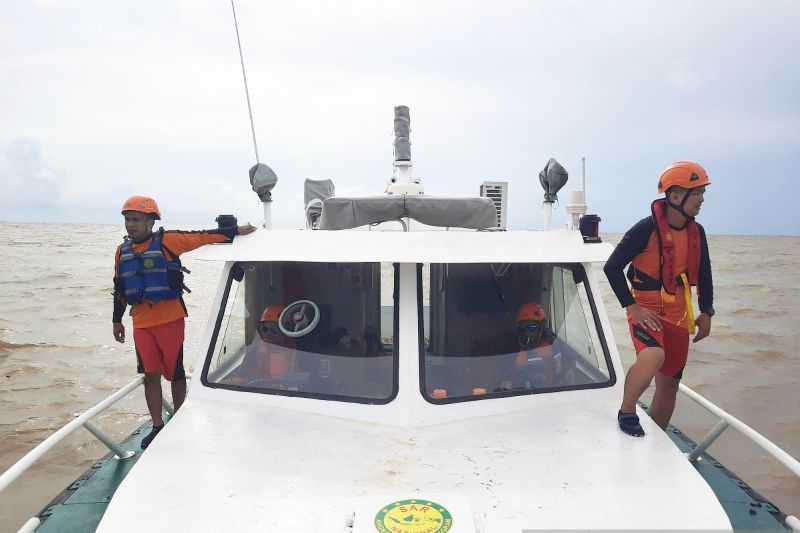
272 312
530 312
685 174
142 204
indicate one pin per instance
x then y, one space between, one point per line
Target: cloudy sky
101 100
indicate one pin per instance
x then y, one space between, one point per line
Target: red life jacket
669 278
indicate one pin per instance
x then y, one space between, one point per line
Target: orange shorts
159 349
674 340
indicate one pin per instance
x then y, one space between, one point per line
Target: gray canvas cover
402 131
317 189
553 177
315 192
346 213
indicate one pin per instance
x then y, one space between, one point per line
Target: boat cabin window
317 330
495 330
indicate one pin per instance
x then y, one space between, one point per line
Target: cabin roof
557 246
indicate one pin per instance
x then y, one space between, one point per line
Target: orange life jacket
669 278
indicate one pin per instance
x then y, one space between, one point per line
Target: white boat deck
221 468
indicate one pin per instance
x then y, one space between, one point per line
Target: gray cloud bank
27 183
156 106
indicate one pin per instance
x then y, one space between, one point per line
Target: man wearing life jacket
148 276
272 352
536 344
668 254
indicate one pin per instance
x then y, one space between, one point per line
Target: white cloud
26 180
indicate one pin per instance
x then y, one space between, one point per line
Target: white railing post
708 440
767 445
30 526
43 447
726 420
110 444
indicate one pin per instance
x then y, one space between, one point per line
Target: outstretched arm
246 229
180 242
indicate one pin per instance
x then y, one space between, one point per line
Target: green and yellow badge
149 263
413 516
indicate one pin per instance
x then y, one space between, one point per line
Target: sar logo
149 263
413 516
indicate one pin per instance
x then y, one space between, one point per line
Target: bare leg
664 399
152 395
640 374
178 392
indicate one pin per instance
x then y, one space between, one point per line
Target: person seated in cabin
270 356
536 364
345 344
372 344
376 364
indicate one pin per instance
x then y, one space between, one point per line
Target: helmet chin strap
530 342
679 208
139 241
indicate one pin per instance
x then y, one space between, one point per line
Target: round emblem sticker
149 263
413 516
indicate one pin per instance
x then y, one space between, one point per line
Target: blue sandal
629 423
150 436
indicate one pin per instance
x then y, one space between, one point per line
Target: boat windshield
496 330
317 330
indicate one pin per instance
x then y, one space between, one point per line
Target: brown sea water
58 356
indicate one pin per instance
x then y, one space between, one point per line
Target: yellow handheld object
687 295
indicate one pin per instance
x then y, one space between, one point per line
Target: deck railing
83 420
80 421
727 420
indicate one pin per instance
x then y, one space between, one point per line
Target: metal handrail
43 447
767 445
728 420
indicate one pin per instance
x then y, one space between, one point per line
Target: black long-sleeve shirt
633 243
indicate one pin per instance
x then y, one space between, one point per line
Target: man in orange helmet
536 344
273 351
668 254
148 276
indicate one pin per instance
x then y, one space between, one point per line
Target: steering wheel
299 318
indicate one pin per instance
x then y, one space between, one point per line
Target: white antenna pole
262 178
548 215
267 215
577 200
244 76
583 177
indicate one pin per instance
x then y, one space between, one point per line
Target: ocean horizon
58 357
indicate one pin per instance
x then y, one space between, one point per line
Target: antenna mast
262 178
244 76
402 180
